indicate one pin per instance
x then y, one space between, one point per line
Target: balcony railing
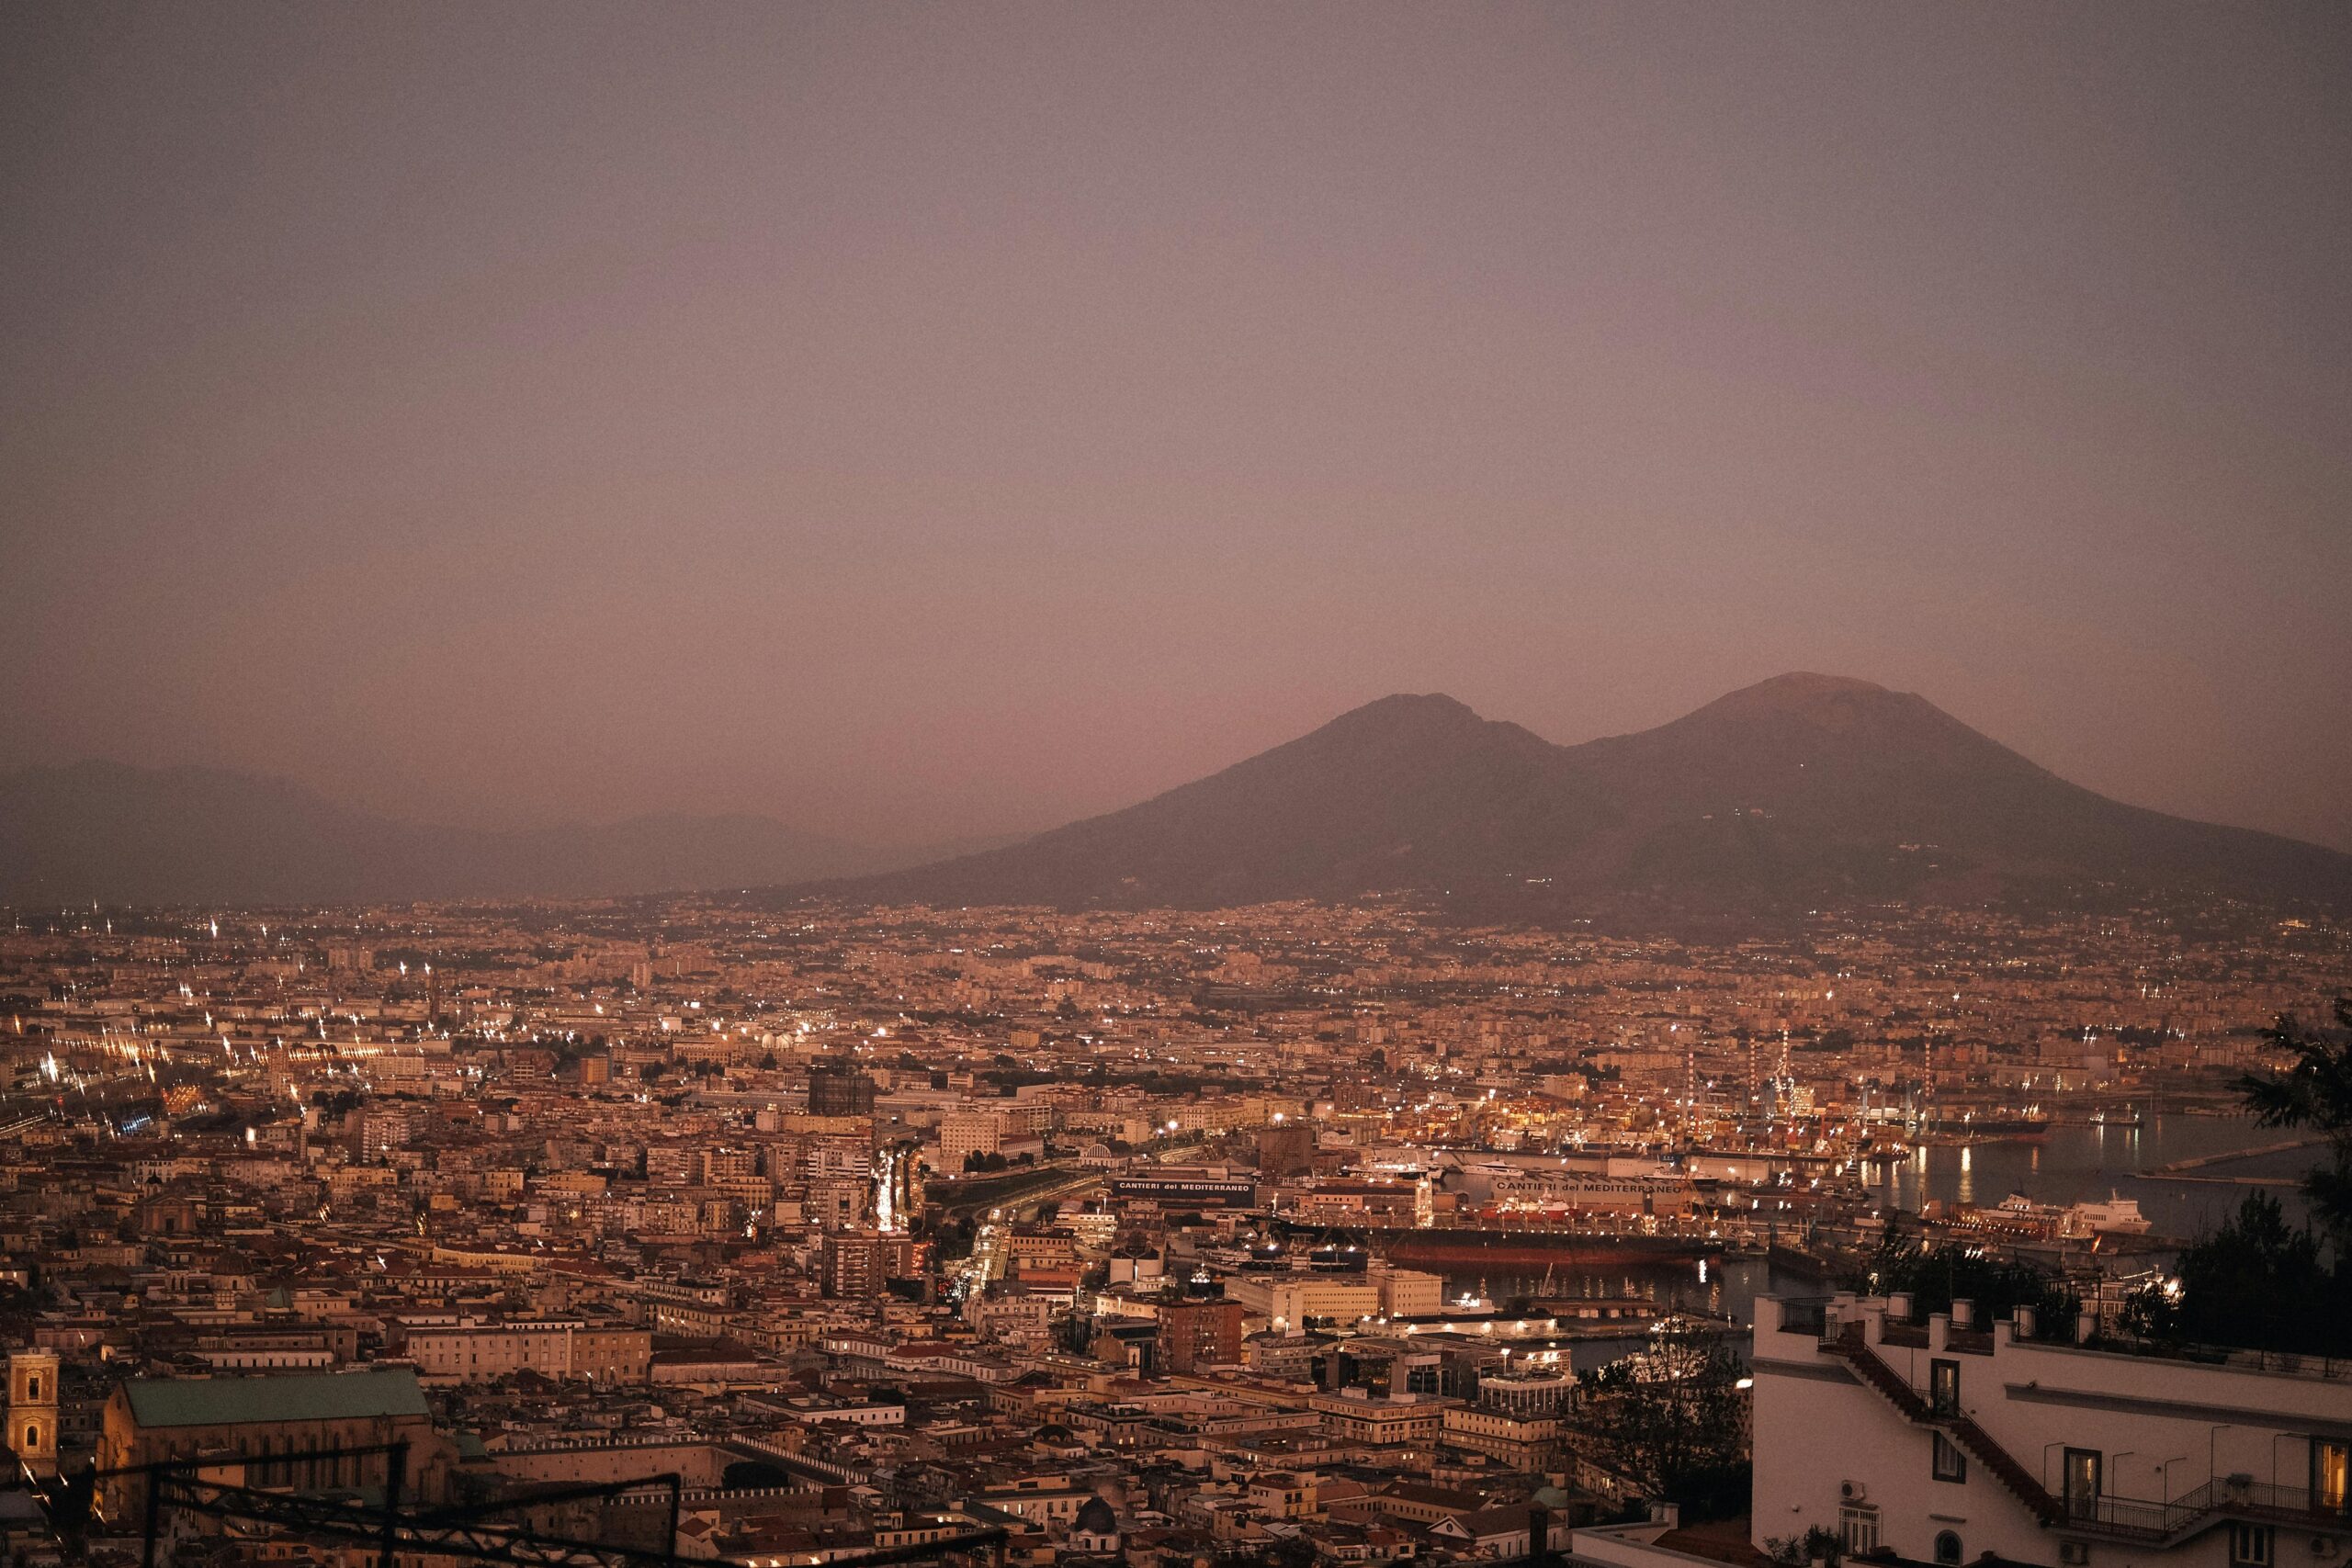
2235 1497
2297 1505
2126 1516
2287 1363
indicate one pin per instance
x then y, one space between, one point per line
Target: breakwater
2182 1169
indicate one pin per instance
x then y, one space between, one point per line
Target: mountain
1803 789
1806 789
126 835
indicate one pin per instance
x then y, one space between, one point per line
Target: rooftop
219 1402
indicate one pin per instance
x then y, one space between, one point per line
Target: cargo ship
1986 1123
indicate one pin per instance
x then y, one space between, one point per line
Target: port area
2217 1168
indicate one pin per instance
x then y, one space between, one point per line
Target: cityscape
1300 1232
1237 784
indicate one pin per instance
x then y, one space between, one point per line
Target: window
1858 1528
2331 1476
2250 1546
1950 1464
2083 1467
1943 1387
1947 1549
32 1389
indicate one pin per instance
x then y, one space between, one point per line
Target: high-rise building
1199 1332
839 1088
858 1264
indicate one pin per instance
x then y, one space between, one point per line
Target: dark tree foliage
1818 1545
2314 1092
2258 1284
954 1240
747 1474
1938 1276
1291 1551
1674 1418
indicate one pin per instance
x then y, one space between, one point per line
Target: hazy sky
916 420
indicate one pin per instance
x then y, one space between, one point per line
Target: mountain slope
1373 798
1812 782
1804 787
125 835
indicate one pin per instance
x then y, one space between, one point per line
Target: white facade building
1943 1443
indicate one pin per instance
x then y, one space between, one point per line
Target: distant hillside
125 835
1805 787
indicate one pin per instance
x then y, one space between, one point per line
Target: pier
2197 1167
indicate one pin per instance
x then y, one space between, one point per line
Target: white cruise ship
2116 1217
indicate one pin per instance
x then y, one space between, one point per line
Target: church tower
32 1409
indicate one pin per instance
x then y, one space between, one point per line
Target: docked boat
2116 1217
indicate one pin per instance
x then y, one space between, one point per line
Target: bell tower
32 1409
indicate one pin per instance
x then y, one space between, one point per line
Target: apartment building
968 1132
1285 1302
1199 1332
1956 1440
1354 1418
482 1351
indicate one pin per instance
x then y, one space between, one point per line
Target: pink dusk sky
917 420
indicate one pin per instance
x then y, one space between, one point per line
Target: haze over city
917 425
1197 785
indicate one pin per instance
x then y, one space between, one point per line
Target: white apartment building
1947 1441
966 1133
1283 1303
1408 1293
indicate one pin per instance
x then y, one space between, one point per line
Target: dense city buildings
1344 1233
1200 785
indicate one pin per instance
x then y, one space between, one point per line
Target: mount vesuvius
1805 787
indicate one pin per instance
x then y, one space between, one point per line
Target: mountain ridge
1804 786
118 833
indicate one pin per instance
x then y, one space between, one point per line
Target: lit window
2331 1476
